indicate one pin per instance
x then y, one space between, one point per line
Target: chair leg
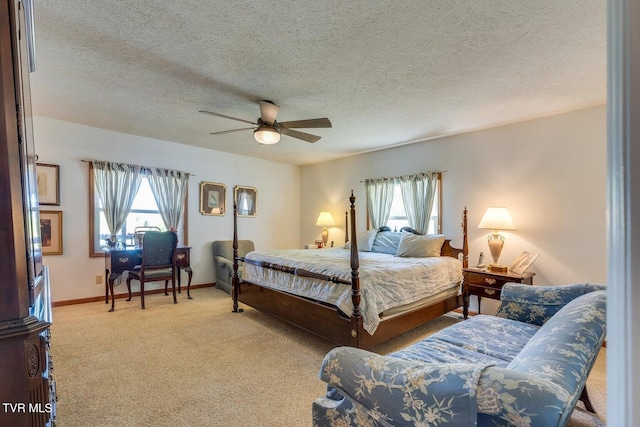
166 283
173 288
584 396
190 273
142 291
129 288
113 300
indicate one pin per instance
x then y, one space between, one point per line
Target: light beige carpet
198 364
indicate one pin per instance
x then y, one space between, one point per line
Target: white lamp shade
266 135
497 218
325 219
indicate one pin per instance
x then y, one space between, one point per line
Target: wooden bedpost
235 279
465 241
346 226
356 316
465 264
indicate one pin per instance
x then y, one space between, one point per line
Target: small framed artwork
51 232
212 198
48 178
246 199
523 262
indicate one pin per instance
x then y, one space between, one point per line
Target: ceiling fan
268 130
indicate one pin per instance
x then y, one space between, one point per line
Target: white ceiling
384 72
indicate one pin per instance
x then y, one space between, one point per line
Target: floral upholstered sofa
526 366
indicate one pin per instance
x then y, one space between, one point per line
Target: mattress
386 281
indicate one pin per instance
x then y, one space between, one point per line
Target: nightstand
485 283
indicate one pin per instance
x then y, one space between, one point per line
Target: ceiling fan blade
310 123
229 131
226 117
268 112
300 135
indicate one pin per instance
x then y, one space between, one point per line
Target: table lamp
325 220
496 218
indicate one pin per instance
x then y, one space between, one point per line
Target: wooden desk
117 261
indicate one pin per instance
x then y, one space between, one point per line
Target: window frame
93 253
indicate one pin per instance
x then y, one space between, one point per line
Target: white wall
550 173
73 274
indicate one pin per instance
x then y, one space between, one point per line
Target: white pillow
415 246
365 240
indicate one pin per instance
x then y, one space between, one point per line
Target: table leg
113 298
479 299
106 286
189 273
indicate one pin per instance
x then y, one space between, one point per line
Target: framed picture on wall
48 178
212 198
51 232
246 200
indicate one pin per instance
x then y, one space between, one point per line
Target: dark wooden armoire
27 389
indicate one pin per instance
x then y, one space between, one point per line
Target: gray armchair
223 261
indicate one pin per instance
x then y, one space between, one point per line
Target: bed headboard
448 250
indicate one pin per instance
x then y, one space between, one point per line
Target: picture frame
51 232
246 201
523 262
48 181
213 196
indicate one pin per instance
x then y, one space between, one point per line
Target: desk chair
158 262
138 233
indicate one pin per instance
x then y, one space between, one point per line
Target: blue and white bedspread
386 281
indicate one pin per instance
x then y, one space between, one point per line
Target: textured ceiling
384 72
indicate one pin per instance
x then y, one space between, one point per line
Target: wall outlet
99 279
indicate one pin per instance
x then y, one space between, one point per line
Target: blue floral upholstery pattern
536 304
400 392
461 342
467 373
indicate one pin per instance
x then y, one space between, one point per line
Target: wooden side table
485 283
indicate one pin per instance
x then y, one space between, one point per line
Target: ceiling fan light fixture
266 135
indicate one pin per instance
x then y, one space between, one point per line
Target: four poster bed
320 290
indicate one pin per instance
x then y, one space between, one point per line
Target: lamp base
497 268
325 237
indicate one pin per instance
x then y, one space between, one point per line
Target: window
144 211
398 216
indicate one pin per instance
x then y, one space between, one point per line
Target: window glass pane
138 219
144 199
103 229
397 206
397 216
433 222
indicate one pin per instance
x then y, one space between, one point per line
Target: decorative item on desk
325 219
496 218
318 244
523 262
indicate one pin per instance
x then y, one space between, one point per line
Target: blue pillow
387 242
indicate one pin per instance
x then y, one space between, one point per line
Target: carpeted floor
198 364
